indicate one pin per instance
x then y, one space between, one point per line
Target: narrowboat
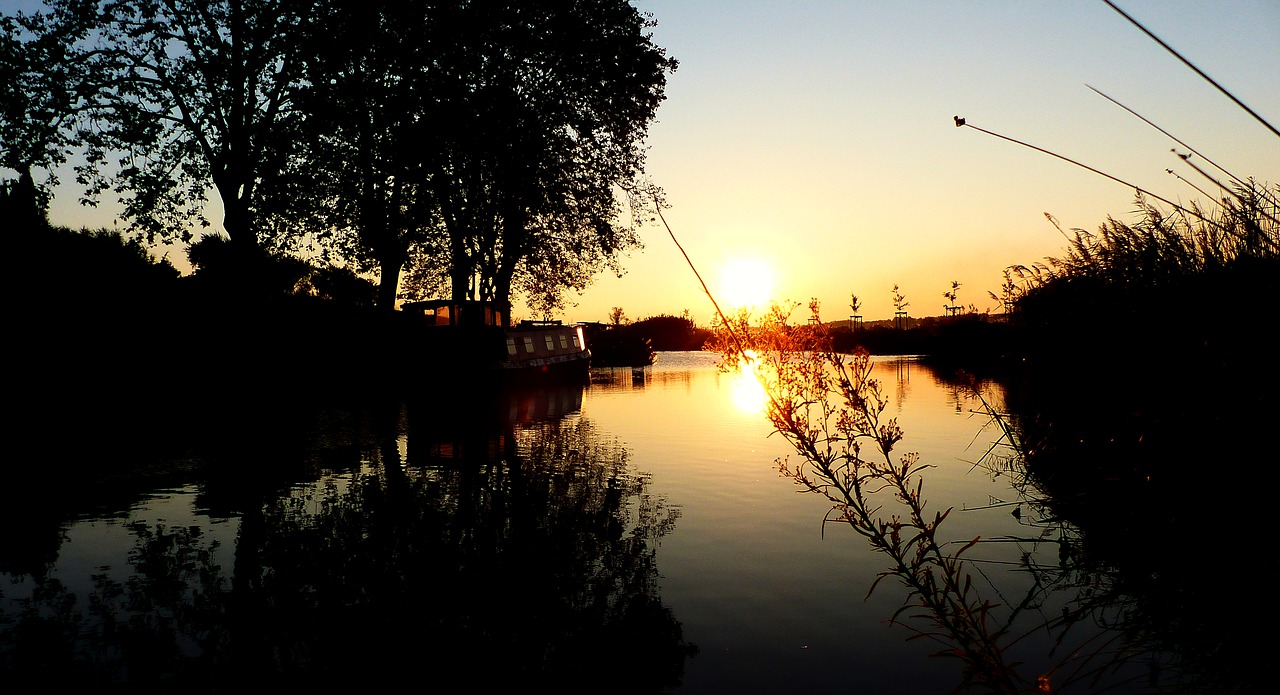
476 332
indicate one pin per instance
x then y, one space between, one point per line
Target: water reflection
620 378
520 537
1149 548
1104 595
511 542
1053 623
745 387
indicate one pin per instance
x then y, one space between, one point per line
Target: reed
1160 246
1157 258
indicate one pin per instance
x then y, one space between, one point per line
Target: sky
818 137
809 149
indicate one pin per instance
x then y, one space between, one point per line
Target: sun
745 283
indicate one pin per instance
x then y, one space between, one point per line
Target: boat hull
544 350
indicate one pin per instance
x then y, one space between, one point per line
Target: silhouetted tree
899 308
510 127
193 93
671 332
361 176
951 307
542 111
44 92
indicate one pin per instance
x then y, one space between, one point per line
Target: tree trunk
237 217
20 202
459 266
389 281
502 293
515 246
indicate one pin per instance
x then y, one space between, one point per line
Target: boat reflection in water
499 539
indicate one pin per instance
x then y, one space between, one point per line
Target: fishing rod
1180 178
1144 119
742 350
962 123
1197 70
1186 159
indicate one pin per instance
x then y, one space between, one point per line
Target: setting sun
745 283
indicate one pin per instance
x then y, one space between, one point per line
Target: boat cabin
447 312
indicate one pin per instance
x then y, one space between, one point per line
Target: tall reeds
1160 247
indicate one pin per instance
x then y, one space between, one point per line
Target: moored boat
544 345
618 346
478 332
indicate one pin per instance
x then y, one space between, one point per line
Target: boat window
511 346
564 342
528 344
575 342
551 344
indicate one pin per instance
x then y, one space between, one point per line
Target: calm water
773 601
631 533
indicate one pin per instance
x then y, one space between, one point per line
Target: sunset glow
745 283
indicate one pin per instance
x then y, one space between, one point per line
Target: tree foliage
46 90
497 144
543 111
359 181
192 93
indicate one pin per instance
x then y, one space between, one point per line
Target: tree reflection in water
1077 616
519 554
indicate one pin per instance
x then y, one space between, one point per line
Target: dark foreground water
631 534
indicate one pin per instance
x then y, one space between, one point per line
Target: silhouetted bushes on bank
634 344
1126 406
1143 365
110 343
670 333
1165 288
970 337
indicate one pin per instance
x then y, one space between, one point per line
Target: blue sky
816 138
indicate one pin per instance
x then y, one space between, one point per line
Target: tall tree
360 176
46 90
197 93
513 127
544 110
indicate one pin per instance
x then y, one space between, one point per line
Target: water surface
631 533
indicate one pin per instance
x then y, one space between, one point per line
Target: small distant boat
618 346
477 334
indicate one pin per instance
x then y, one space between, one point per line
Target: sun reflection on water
745 389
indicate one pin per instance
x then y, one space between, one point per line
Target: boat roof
458 312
